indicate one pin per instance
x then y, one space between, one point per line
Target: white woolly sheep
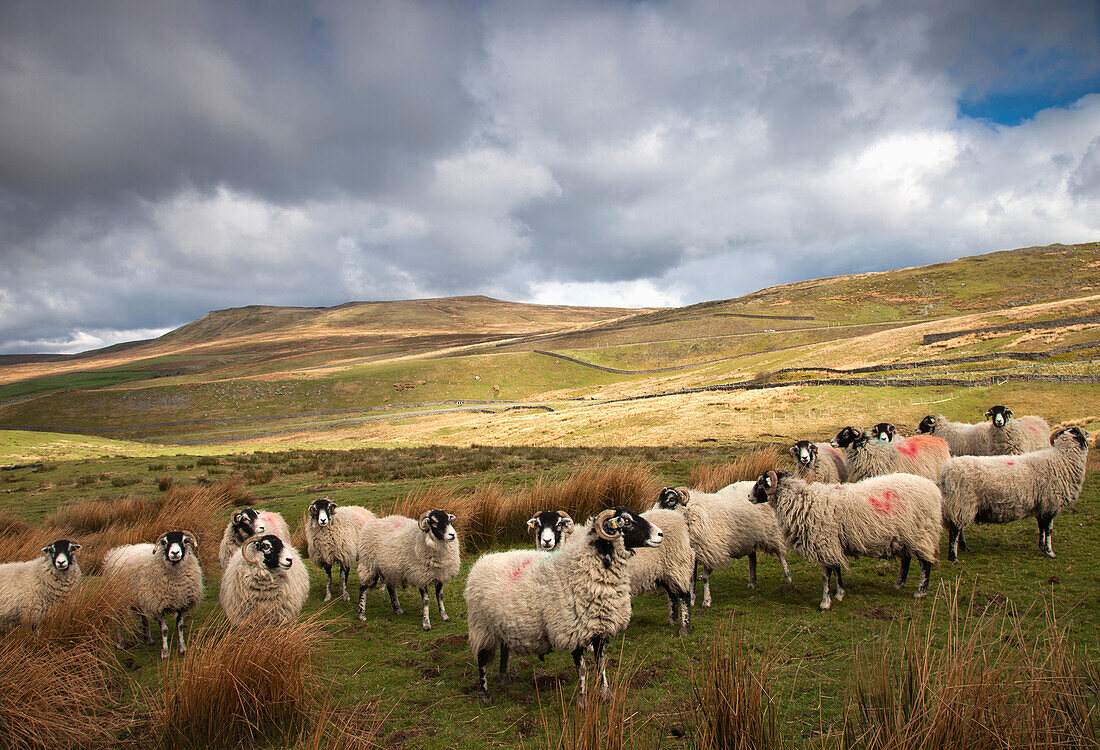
884 431
265 580
1020 435
897 515
163 577
725 525
28 590
923 455
999 489
670 566
963 439
332 537
533 602
246 524
403 552
551 527
819 462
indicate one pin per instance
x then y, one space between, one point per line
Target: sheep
923 455
963 439
246 524
724 525
551 527
885 432
897 515
163 577
819 462
1021 435
265 579
999 489
28 590
403 552
670 566
332 536
533 602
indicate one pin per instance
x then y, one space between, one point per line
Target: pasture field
416 689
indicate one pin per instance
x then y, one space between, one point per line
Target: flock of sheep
867 493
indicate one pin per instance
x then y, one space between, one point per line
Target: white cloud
637 293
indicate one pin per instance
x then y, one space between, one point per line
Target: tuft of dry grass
597 725
711 477
990 685
239 686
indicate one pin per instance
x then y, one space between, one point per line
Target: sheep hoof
504 678
328 597
920 594
485 698
897 586
686 630
444 618
346 597
398 611
839 596
362 617
1051 555
164 653
826 604
427 626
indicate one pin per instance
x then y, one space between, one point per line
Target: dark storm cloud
161 159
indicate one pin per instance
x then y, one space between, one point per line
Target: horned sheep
246 524
1016 435
963 439
332 538
29 589
265 580
164 577
403 552
819 462
551 527
923 455
532 602
1000 489
898 515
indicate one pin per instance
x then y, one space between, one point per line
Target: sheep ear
237 517
989 413
73 546
47 550
793 450
450 516
1008 412
189 539
566 519
531 523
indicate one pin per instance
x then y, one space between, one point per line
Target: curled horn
601 530
423 522
244 549
189 539
567 519
772 482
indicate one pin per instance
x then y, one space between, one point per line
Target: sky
159 160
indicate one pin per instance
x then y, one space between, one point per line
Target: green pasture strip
70 381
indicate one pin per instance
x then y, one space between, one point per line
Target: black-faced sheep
28 590
1013 436
247 523
819 462
332 538
533 602
551 527
670 566
923 455
963 439
265 580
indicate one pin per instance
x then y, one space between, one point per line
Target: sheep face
60 553
550 527
884 431
999 415
1077 434
846 437
438 523
671 497
766 486
274 553
173 546
804 452
635 530
321 511
927 425
246 524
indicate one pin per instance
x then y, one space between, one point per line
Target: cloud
164 159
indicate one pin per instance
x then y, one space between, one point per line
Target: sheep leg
903 570
685 614
439 600
962 542
694 579
706 587
163 635
1046 533
328 580
484 656
673 603
786 568
578 662
180 617
925 575
425 621
503 672
839 595
147 630
344 573
954 533
393 600
599 655
752 570
826 575
362 602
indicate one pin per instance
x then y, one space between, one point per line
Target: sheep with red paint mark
819 462
247 523
963 438
332 538
1000 489
1014 435
923 455
898 515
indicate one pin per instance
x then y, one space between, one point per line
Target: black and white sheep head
672 498
767 484
173 545
246 523
60 554
321 511
269 551
1078 434
927 425
634 529
846 437
884 431
804 452
438 524
999 415
551 527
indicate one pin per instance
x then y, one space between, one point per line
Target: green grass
77 380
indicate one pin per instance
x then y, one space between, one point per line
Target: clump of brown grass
597 725
711 476
239 686
991 684
733 704
344 728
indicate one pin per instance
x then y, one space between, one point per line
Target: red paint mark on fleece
1032 427
884 504
1010 463
516 573
908 448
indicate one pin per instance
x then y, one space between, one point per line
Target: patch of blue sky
1012 106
